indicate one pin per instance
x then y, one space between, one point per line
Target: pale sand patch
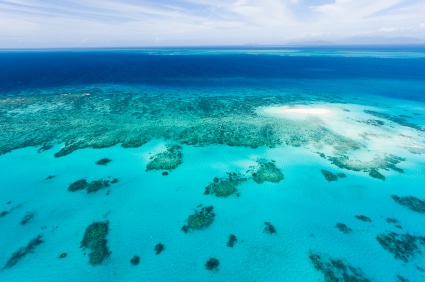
283 111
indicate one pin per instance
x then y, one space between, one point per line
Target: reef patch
200 219
225 186
336 269
402 246
411 203
167 160
267 171
95 240
22 252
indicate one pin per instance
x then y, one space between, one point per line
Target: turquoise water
277 164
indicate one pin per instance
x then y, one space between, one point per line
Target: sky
128 23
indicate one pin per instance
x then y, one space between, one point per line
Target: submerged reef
91 187
95 240
167 160
343 228
363 218
400 120
330 176
388 162
103 161
27 217
267 171
269 228
135 260
402 246
336 269
225 186
159 248
22 252
232 241
200 219
212 264
411 203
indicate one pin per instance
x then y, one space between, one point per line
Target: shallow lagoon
344 147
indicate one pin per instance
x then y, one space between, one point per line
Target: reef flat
99 118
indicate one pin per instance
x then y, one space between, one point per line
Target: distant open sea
213 164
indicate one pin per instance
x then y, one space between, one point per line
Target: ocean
213 164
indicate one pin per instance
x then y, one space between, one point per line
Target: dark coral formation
91 187
135 260
267 171
376 174
330 176
343 228
336 269
225 186
22 252
401 120
411 203
159 248
200 219
95 240
269 228
402 279
103 161
27 217
374 122
4 213
78 185
363 218
402 246
212 264
96 185
232 241
167 160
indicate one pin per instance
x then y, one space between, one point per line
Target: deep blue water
23 70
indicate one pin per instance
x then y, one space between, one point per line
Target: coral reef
363 218
96 185
212 264
78 185
267 171
22 252
232 241
103 161
329 176
376 174
401 120
336 269
27 217
411 203
200 219
159 248
91 187
343 228
95 240
135 260
269 228
402 246
132 119
386 162
167 160
225 186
